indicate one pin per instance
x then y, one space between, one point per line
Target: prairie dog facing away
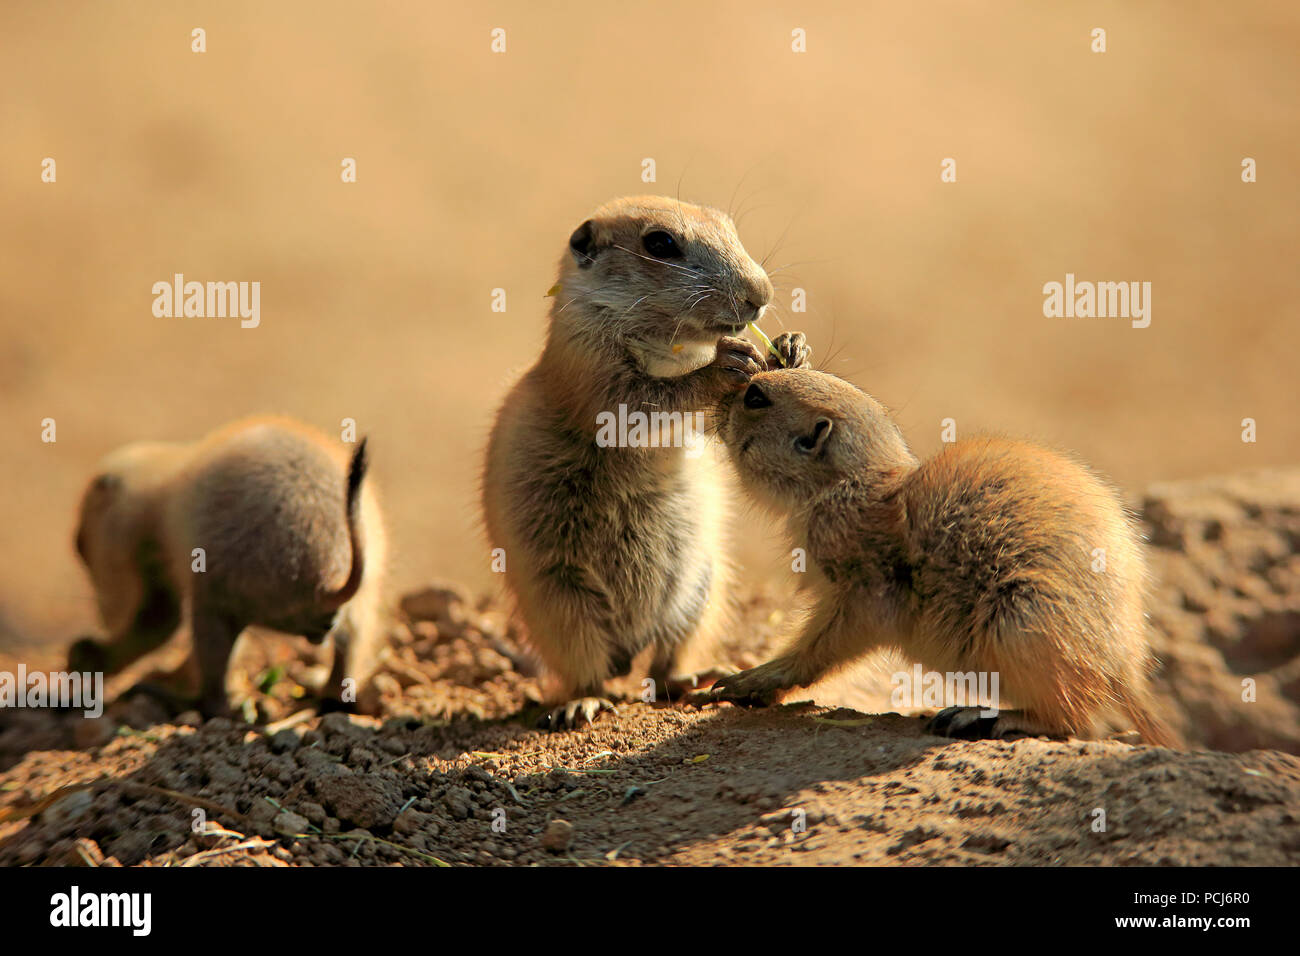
291 537
981 558
614 549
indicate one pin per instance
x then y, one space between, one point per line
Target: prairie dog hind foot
572 714
679 686
759 686
976 723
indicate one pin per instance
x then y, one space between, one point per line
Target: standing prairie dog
291 540
982 558
611 549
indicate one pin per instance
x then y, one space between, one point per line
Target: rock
284 740
492 623
29 851
289 824
425 634
386 685
319 761
413 821
558 779
779 820
339 724
443 605
225 775
314 812
131 846
368 800
262 816
558 836
459 802
62 812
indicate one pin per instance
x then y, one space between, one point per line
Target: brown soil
452 771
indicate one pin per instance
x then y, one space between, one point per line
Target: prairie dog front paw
793 349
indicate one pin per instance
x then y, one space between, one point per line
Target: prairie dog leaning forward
982 558
291 538
614 548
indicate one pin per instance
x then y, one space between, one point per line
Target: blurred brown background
474 167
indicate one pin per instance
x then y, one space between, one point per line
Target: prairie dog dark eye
661 245
754 398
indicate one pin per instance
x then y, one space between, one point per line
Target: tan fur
265 498
979 559
611 551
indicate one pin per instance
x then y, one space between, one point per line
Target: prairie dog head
663 278
118 528
794 432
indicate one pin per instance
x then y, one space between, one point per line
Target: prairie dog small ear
583 245
106 482
812 442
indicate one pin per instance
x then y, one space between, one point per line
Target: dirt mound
1225 556
449 772
658 785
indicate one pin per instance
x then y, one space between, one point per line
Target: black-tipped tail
356 474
